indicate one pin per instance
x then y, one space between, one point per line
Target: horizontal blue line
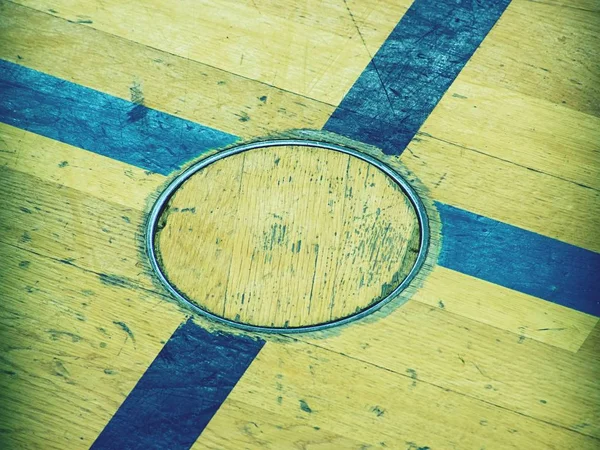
493 251
103 124
180 392
195 371
519 259
412 70
391 100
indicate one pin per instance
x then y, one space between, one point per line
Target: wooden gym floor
101 103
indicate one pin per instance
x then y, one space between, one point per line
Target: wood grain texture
489 367
158 79
543 89
526 199
42 412
66 324
497 367
288 236
71 348
64 224
517 143
504 191
89 174
387 409
316 49
81 318
558 62
86 172
546 137
590 350
412 70
524 315
582 5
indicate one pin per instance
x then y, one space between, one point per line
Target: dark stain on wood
378 411
57 335
304 407
126 329
112 280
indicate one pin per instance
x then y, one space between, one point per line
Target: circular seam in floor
165 197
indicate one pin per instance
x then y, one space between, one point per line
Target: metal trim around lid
164 197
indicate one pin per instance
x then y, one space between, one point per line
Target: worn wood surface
316 49
464 364
177 85
288 236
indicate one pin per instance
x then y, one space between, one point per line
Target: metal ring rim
164 197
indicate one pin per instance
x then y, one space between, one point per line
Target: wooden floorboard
170 83
464 364
314 49
386 410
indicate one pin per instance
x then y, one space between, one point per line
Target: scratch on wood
126 329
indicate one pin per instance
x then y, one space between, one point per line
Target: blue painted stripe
180 392
519 259
577 267
100 123
412 70
392 99
195 371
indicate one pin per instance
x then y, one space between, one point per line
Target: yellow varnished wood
502 143
313 49
68 321
449 369
64 224
130 186
582 5
490 368
81 318
526 316
86 172
550 138
167 82
293 395
121 183
469 297
505 192
230 429
479 361
67 361
357 341
288 236
556 61
590 350
471 181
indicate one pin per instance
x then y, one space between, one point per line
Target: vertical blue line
412 70
180 392
195 371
